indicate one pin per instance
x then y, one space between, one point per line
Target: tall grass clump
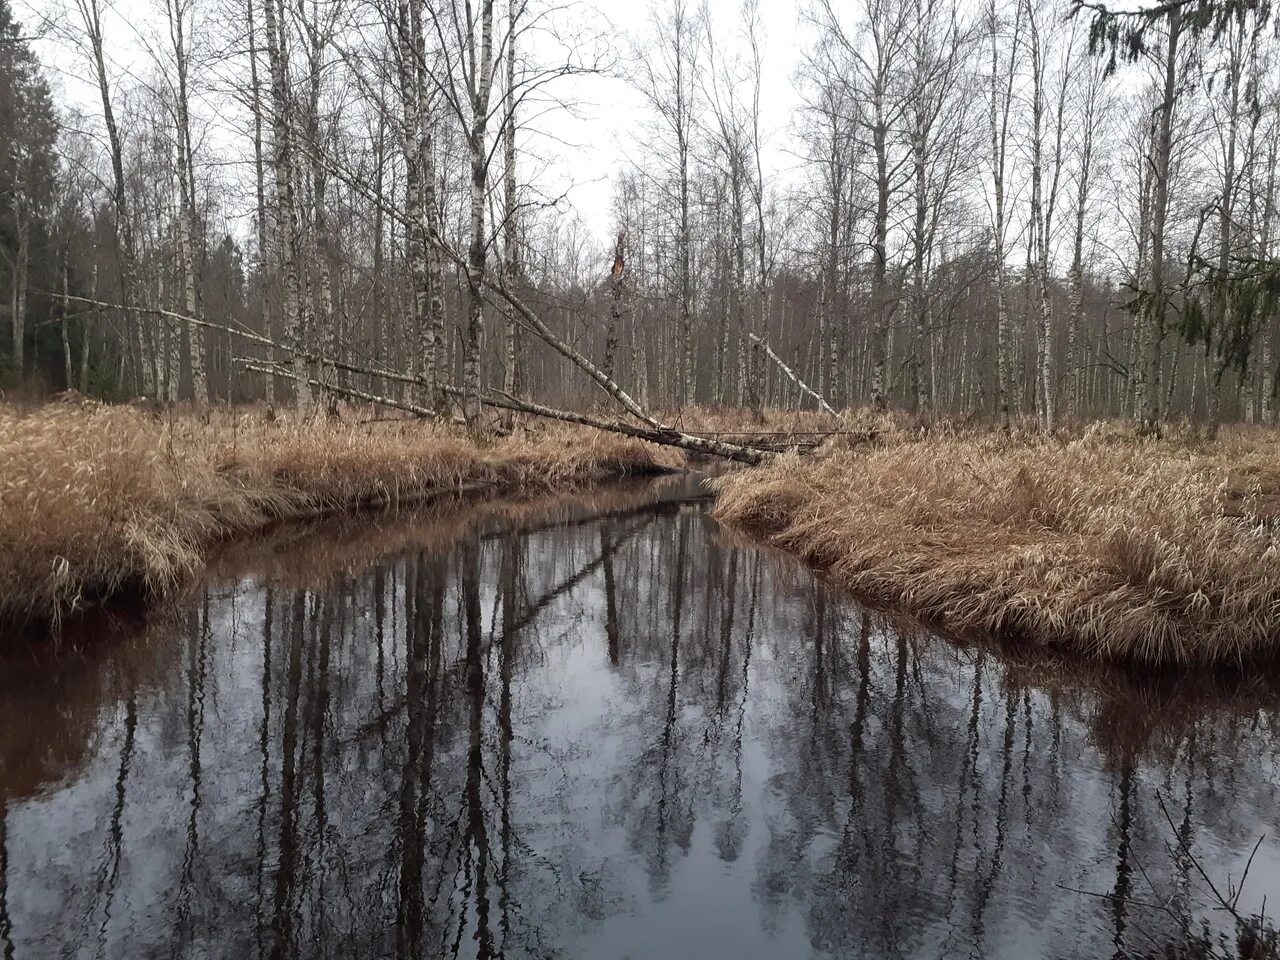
89 502
1112 548
98 500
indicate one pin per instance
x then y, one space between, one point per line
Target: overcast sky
613 106
578 152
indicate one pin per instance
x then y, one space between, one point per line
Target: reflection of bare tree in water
945 797
264 747
108 871
6 923
282 921
423 642
323 623
502 745
669 779
1124 851
989 873
610 592
730 831
511 578
692 621
197 667
476 842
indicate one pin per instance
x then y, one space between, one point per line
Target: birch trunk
1163 162
172 342
326 339
416 146
511 375
434 347
84 339
754 364
188 225
830 279
1265 243
1138 337
18 304
146 374
1071 363
919 296
66 316
480 89
327 317
879 290
617 279
1043 204
1039 239
1226 201
684 254
266 259
1001 99
286 211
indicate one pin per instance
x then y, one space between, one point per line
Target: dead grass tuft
1161 552
96 500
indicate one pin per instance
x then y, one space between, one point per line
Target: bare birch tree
669 83
286 218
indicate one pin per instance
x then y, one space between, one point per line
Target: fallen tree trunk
242 332
657 432
663 436
605 382
286 374
653 430
793 376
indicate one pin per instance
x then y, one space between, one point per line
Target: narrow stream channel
600 728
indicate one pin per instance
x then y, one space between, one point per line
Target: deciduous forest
985 210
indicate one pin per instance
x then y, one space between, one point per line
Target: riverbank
1158 552
98 501
1106 546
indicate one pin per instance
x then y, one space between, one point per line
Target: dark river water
600 727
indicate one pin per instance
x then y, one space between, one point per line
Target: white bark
286 221
480 88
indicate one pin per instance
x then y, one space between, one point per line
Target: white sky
612 107
582 150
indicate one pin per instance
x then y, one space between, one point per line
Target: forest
975 210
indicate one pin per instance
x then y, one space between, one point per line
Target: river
600 727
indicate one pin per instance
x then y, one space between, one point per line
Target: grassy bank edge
101 502
1103 548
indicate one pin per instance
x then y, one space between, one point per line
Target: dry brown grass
1161 552
96 499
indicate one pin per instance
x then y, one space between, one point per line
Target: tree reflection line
109 869
6 922
197 669
455 863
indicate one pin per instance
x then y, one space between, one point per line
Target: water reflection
598 729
